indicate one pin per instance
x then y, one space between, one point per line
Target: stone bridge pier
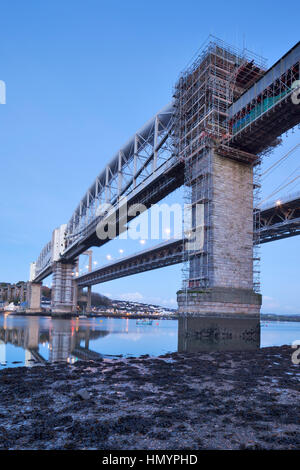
220 276
33 295
63 295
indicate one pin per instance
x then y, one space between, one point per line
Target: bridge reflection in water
197 334
67 340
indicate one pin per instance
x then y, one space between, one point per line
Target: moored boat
10 308
144 321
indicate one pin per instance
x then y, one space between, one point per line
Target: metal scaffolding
203 94
256 225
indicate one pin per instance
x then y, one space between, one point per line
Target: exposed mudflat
221 400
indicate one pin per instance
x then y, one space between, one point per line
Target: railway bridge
226 113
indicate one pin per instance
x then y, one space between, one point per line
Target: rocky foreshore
220 400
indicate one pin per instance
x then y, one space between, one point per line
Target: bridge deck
277 222
266 110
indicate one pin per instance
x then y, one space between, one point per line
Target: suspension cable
278 162
279 189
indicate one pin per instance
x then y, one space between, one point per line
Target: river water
32 340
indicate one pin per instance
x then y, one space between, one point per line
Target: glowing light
121 251
95 262
108 256
142 242
167 231
278 203
87 266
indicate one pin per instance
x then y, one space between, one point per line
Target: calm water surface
37 340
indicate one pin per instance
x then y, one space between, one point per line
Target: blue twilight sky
82 76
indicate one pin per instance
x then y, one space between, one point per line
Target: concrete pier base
218 300
218 333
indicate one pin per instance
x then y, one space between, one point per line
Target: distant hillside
139 307
99 300
277 317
